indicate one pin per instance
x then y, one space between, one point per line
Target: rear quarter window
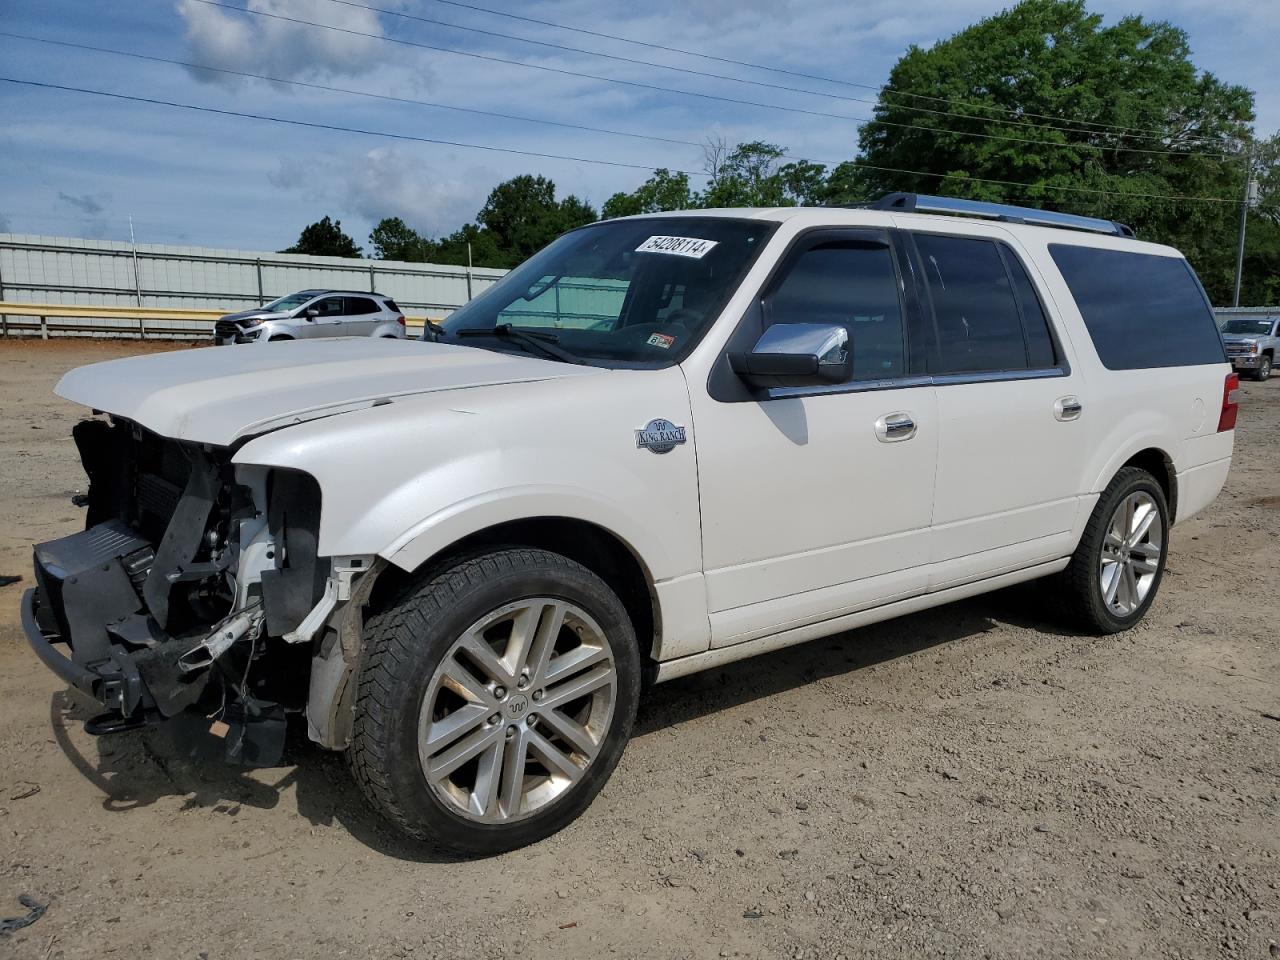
1141 310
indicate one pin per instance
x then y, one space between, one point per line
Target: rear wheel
1116 570
494 700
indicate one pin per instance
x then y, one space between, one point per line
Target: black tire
1078 587
1263 370
403 646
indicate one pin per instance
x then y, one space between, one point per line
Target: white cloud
433 197
282 48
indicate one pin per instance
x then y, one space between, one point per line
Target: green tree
485 251
393 239
661 192
754 175
324 238
523 216
1132 85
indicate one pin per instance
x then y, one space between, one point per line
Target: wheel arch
600 550
1159 464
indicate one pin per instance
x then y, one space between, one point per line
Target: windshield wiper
538 339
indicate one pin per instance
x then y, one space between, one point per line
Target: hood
259 313
218 395
1241 338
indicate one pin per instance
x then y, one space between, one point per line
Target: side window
360 306
853 284
1142 310
328 307
1040 352
976 319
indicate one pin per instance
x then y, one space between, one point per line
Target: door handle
1067 408
893 427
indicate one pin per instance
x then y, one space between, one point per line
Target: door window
1040 350
853 284
976 320
360 306
327 308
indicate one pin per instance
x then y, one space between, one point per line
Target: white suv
662 444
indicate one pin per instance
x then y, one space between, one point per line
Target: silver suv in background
313 313
1251 344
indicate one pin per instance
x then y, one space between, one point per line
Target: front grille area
223 329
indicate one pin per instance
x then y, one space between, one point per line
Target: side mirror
311 313
796 355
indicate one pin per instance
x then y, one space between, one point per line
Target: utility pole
1250 189
137 280
468 271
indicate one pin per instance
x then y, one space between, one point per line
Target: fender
405 479
1141 431
459 520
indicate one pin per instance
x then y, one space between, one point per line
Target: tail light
1230 402
400 320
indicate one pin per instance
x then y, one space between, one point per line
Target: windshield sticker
690 247
663 340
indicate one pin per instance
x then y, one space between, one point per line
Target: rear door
362 315
1010 433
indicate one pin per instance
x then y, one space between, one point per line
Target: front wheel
1263 371
494 700
1116 570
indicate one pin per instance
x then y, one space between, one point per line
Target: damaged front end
195 587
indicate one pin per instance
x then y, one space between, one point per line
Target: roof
866 216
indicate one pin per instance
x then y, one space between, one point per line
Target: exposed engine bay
194 587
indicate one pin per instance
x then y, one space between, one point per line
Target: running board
671 669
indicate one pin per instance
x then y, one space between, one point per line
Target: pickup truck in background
1251 343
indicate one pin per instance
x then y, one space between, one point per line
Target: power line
316 125
1048 186
720 76
344 90
691 93
552 156
879 88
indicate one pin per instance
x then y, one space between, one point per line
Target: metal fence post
373 287
262 301
4 317
44 328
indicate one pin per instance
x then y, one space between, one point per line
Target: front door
329 318
816 501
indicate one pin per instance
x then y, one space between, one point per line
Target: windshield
635 293
291 302
1248 325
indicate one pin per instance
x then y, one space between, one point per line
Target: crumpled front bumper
87 622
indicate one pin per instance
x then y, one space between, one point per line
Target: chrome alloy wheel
1131 552
518 708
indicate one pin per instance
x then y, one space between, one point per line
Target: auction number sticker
663 340
690 247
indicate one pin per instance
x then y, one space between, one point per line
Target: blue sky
74 165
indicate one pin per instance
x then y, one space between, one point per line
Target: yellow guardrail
147 318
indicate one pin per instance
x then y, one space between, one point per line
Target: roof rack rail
922 203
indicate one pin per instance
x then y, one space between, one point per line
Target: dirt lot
969 782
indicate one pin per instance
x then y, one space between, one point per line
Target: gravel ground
968 782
